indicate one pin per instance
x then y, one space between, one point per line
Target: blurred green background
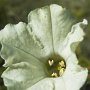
13 11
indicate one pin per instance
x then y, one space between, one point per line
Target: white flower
27 48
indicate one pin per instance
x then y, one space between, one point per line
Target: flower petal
68 47
40 23
22 37
74 76
45 84
23 70
53 23
61 25
49 84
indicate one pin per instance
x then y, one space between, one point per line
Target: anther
62 64
51 62
54 74
61 71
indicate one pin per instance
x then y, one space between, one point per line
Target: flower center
56 67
